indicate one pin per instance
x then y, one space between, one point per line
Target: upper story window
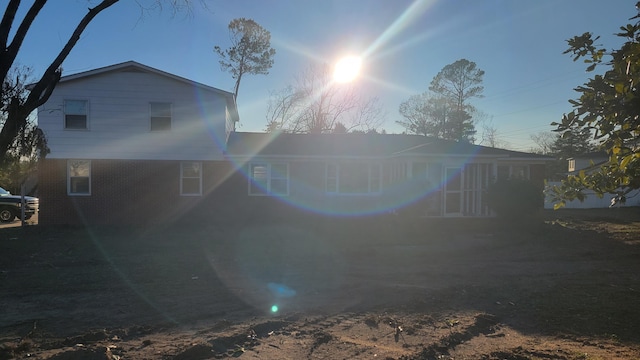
160 116
75 114
353 178
79 177
191 178
268 179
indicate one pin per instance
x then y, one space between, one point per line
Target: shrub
515 198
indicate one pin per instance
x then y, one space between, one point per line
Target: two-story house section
130 143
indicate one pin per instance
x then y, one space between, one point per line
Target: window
268 179
353 178
79 177
191 178
513 172
160 116
75 114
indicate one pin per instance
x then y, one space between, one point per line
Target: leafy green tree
609 104
250 51
445 111
573 142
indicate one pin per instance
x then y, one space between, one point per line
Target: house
133 144
589 163
129 143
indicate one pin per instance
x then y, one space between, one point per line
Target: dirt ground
564 287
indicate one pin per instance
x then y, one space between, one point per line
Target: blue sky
519 45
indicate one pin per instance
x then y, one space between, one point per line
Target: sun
347 69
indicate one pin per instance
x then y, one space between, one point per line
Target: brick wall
123 191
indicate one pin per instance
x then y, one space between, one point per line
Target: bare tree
490 134
250 51
316 104
544 142
17 108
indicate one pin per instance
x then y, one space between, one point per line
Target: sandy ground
386 288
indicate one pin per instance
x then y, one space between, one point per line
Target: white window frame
183 177
256 189
151 117
332 179
70 176
66 111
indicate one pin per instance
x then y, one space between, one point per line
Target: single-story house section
356 174
133 144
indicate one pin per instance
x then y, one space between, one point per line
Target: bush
515 198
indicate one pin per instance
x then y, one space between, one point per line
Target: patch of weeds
320 338
372 321
8 351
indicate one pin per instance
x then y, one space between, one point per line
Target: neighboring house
133 144
589 163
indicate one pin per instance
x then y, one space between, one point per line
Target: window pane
75 107
258 182
259 173
75 121
374 179
454 180
161 110
191 169
191 186
453 203
354 178
331 185
279 171
79 185
331 171
160 123
79 168
518 172
503 172
279 186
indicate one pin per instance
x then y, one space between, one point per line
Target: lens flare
347 69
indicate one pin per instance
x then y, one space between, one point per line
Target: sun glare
347 69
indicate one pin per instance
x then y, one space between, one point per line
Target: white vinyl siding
190 178
353 178
119 119
79 177
268 179
76 114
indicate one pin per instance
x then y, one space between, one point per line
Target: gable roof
246 144
132 66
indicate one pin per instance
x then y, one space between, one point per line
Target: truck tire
6 215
